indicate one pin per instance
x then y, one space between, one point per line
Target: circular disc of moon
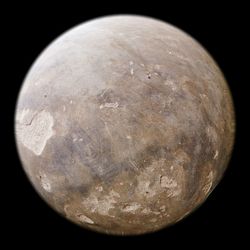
124 125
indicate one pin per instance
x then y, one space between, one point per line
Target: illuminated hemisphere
124 125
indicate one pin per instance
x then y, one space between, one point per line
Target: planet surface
124 125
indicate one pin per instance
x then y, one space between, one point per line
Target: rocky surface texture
124 125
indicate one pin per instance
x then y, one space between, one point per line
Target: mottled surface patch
171 185
101 204
33 129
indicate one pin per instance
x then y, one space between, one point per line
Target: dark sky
222 29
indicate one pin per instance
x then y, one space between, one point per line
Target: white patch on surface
146 210
149 211
171 185
85 219
75 138
34 129
109 105
163 208
203 96
174 192
167 182
101 204
212 134
99 188
64 108
209 182
128 137
131 63
216 154
151 183
131 207
45 183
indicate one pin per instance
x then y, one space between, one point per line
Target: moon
124 125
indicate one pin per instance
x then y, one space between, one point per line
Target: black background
222 29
